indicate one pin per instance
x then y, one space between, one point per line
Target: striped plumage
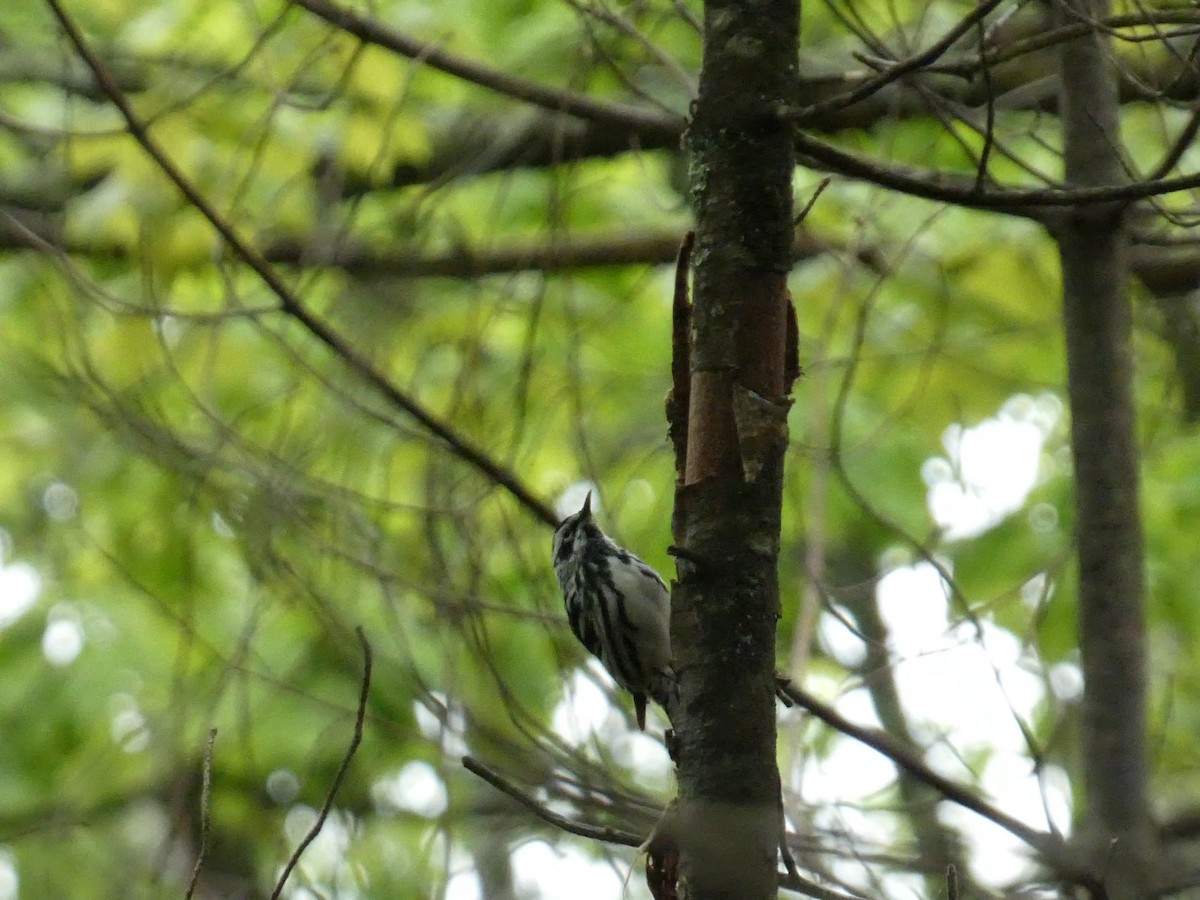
617 606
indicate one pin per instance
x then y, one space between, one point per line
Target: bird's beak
587 505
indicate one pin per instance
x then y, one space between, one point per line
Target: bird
617 606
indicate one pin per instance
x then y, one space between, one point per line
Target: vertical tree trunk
1093 248
726 604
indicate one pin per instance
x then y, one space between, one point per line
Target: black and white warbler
617 606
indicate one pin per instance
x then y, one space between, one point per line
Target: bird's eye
564 541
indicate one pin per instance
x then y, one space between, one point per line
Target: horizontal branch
555 254
480 143
569 253
1040 204
1165 271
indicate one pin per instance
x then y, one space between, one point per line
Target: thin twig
1182 144
785 852
359 718
901 68
629 28
289 301
205 810
812 201
989 129
601 833
1047 38
810 888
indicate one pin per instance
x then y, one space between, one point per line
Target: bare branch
359 718
948 187
205 811
900 68
632 119
794 881
601 833
1052 851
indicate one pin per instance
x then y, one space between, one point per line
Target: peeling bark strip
1094 250
681 356
726 603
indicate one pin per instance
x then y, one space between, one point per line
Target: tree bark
726 604
1093 245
